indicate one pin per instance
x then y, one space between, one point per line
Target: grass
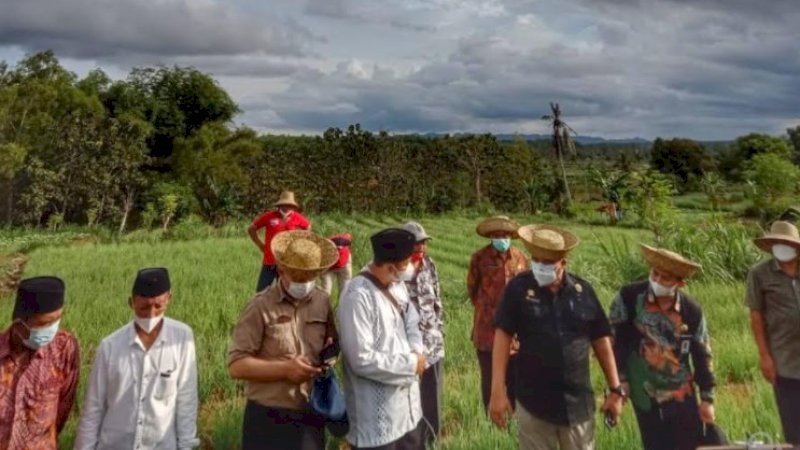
214 277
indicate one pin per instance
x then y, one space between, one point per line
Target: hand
613 406
499 409
707 412
299 370
514 345
768 368
420 363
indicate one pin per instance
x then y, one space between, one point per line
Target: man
382 349
660 334
490 269
342 270
425 295
558 319
276 347
772 295
286 216
142 392
39 365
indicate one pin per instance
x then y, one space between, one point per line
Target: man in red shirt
343 269
286 216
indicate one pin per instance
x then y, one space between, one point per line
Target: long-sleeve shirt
426 296
378 345
142 399
489 273
36 398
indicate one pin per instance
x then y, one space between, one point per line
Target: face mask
300 290
286 214
784 253
417 257
501 245
39 337
407 274
659 290
545 274
148 324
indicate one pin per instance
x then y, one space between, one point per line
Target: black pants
266 277
268 428
485 363
409 441
430 389
787 396
671 425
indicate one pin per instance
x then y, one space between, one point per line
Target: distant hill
583 140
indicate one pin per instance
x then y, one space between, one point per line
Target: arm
93 411
355 315
186 402
624 335
473 279
67 394
760 333
755 301
252 231
413 331
499 405
700 350
605 355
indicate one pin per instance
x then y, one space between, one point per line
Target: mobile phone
609 421
328 355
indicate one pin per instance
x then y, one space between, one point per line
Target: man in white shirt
142 392
383 349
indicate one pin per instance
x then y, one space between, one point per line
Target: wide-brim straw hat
302 254
547 242
287 199
497 224
669 262
780 233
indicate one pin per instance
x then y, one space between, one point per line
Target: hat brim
766 242
570 242
496 225
657 259
279 203
329 254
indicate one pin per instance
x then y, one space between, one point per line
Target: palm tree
562 142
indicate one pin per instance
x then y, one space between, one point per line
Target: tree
773 176
745 148
562 143
12 156
685 159
794 137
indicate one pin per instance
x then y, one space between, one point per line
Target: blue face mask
39 337
501 245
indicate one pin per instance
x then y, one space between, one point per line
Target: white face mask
300 290
407 274
659 290
148 324
784 253
545 274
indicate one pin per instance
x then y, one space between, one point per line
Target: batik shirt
36 399
653 347
425 294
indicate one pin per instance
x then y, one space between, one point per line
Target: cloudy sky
706 69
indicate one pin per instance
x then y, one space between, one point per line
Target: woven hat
780 233
547 242
669 261
287 199
496 224
302 254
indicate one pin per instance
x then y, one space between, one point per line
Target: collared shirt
426 296
275 327
777 296
36 398
489 273
142 399
653 347
556 332
381 386
274 223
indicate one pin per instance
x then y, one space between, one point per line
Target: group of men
535 324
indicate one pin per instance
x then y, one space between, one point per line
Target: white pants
537 434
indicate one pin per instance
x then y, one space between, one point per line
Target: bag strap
369 276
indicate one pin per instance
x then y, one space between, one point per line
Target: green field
214 278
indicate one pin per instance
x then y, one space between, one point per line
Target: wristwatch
619 390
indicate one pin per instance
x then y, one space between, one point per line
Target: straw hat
287 199
780 233
547 242
302 254
670 262
496 224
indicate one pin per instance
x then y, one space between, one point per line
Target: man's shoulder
66 341
763 267
178 327
522 281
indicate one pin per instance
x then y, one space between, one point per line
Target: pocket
279 340
316 329
166 386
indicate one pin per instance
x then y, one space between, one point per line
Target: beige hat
303 254
669 261
547 242
780 233
287 199
496 224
